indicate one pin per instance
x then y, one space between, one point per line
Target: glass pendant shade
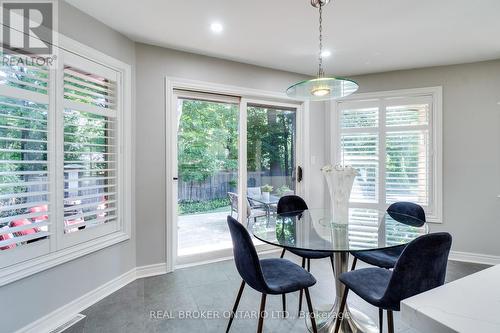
322 89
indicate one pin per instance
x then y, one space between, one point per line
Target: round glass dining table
315 229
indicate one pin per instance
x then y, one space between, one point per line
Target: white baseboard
68 311
151 270
477 258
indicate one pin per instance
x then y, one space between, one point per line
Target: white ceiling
365 36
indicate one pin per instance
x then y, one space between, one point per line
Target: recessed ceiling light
326 53
216 27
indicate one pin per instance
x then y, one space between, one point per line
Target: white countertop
470 304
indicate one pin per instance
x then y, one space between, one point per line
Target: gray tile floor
213 287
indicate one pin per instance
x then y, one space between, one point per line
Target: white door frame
247 95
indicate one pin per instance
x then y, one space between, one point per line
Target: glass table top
315 229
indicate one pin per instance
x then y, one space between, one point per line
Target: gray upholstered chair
267 276
421 267
404 212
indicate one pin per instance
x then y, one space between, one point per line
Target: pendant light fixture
322 87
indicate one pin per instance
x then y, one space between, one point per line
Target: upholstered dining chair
421 267
267 276
290 204
403 212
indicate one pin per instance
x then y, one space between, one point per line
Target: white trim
437 136
36 265
66 312
242 161
266 250
170 125
150 270
60 255
477 258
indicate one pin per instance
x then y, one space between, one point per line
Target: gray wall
37 295
471 151
153 64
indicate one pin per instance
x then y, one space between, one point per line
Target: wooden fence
217 186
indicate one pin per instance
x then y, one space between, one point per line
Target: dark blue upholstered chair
267 276
421 267
292 204
403 212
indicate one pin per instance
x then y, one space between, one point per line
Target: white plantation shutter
390 141
360 147
408 167
63 156
90 147
25 214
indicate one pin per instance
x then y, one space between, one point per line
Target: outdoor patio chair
252 213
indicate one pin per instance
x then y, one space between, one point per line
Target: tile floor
213 287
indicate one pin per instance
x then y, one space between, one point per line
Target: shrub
193 207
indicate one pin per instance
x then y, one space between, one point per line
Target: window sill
36 265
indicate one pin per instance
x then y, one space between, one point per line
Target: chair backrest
233 198
245 256
421 267
254 192
408 213
291 203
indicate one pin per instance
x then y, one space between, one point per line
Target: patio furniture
421 267
404 212
261 201
252 213
267 276
293 204
6 236
254 192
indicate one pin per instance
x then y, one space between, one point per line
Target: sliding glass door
271 157
212 131
207 169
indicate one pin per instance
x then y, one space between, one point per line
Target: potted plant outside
266 190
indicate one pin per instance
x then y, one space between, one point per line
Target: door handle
175 178
299 174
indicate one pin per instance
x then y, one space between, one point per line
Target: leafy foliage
193 207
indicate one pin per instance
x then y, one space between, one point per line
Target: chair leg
333 266
261 313
390 321
380 319
309 265
354 263
311 311
301 291
235 307
282 253
283 300
340 315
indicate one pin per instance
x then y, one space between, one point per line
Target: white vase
265 196
340 181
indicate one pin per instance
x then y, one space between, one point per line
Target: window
64 159
25 210
394 140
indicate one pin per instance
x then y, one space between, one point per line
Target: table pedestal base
354 321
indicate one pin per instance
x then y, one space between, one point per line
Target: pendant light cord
320 69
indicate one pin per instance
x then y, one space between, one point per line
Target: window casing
65 169
394 140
